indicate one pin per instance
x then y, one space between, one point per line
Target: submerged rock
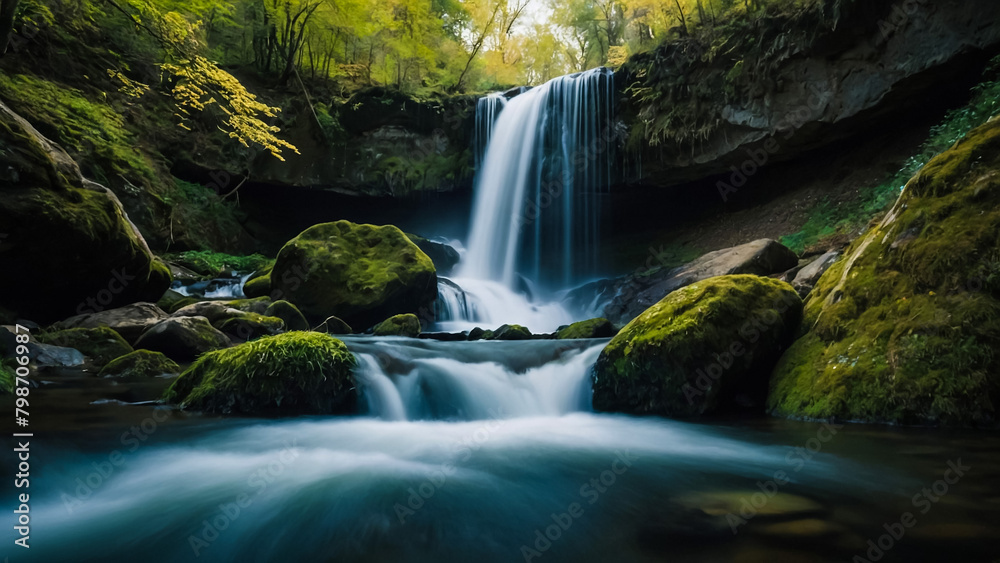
183 338
360 273
292 373
702 349
399 325
141 363
129 321
100 344
904 328
70 237
594 328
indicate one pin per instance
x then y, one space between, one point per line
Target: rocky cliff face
380 142
769 90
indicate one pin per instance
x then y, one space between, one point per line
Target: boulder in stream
288 374
359 273
705 348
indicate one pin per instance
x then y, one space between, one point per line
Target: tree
8 9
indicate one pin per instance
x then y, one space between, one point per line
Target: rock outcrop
67 246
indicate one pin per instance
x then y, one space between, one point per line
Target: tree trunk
7 9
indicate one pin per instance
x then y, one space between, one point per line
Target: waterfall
487 110
537 191
414 380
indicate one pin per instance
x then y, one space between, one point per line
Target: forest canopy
413 45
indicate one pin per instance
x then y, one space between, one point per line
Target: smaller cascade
487 110
409 381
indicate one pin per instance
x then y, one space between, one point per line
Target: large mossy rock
100 344
593 328
904 328
182 338
69 240
289 374
141 363
360 273
702 349
399 325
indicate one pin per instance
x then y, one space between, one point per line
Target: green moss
594 328
208 263
294 320
827 218
141 363
79 124
399 325
292 373
7 378
510 332
99 344
903 328
360 273
662 362
256 305
258 287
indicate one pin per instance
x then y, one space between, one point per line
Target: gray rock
628 296
182 338
807 277
129 321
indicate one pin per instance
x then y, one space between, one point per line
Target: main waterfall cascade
546 161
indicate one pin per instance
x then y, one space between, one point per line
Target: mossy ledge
289 374
701 349
904 328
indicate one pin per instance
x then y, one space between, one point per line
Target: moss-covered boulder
702 349
594 328
100 344
904 328
360 273
510 332
141 363
258 287
292 373
182 338
294 320
69 240
399 325
257 305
